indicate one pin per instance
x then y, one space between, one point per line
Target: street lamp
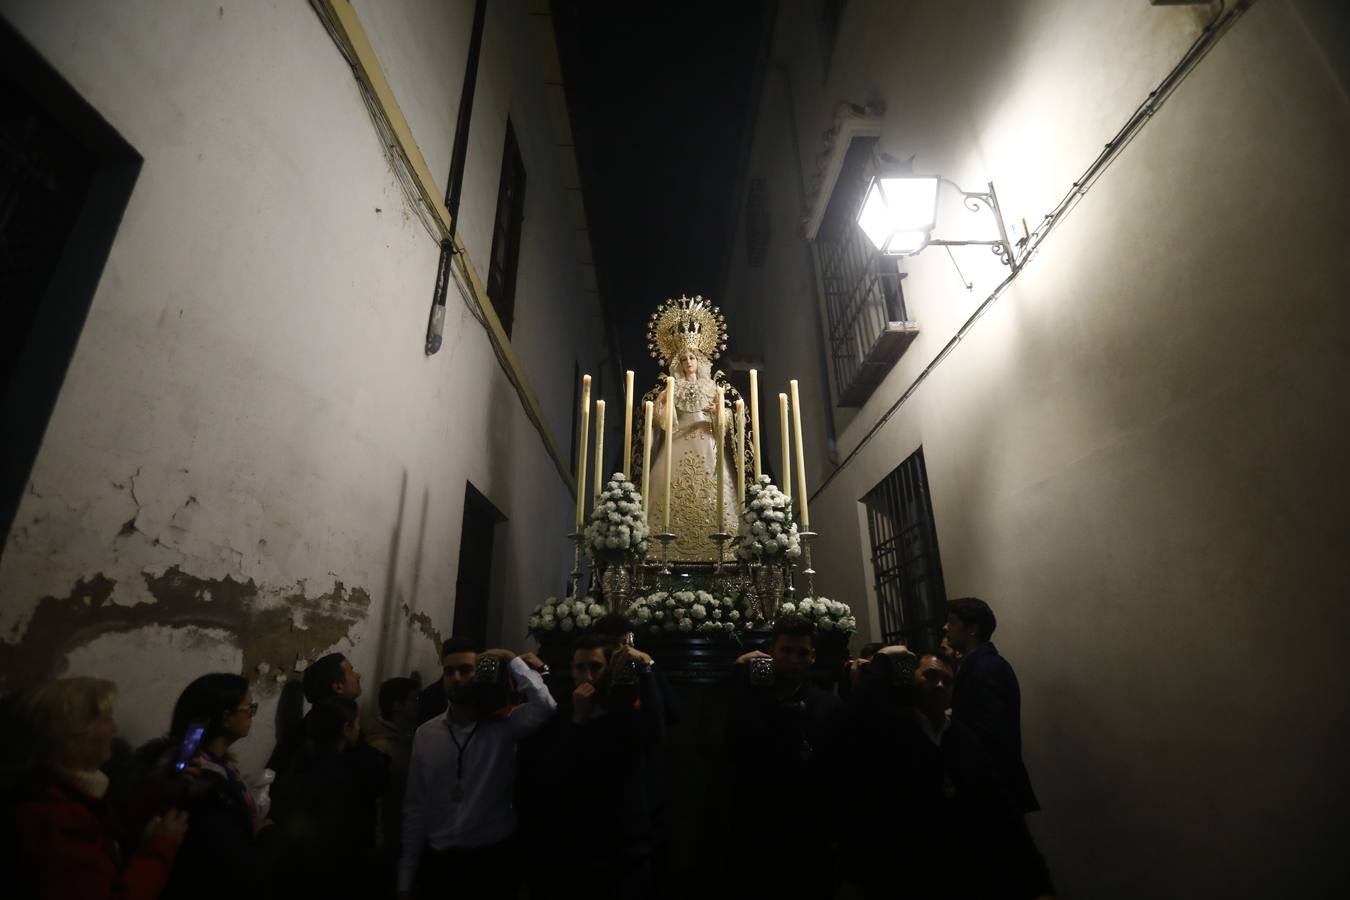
899 212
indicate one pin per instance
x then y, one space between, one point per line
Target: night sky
660 97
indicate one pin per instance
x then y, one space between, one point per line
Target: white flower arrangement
767 529
568 616
829 616
688 612
618 522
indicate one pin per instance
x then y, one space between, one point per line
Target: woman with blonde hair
69 843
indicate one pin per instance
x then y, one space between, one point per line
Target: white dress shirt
484 814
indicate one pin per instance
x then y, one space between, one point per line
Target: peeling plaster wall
251 460
1136 454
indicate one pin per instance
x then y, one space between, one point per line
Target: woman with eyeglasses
221 857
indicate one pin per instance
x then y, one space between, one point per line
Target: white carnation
686 625
595 610
583 621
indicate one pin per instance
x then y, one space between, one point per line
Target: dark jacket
326 808
936 812
778 749
68 845
988 701
219 857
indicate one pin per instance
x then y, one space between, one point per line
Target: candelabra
575 582
665 538
810 573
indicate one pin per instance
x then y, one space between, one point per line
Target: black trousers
491 871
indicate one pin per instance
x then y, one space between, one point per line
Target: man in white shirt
459 818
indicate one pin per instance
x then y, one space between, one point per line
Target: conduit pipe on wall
1222 21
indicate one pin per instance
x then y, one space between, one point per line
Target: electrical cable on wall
1030 244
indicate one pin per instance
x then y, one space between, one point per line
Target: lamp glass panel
904 243
874 218
911 203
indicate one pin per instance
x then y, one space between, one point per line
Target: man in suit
987 699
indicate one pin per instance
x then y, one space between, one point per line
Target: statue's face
686 364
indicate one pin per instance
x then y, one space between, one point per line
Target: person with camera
779 729
599 753
459 820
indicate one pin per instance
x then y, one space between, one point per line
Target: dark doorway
473 585
65 178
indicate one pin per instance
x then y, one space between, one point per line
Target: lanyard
462 748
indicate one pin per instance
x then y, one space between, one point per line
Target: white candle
719 428
626 465
670 441
740 455
754 422
581 450
647 409
804 516
599 446
785 474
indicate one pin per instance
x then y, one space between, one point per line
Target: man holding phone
459 821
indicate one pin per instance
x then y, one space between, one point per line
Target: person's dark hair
793 626
612 625
459 645
591 642
870 649
974 612
393 691
327 721
940 660
209 697
321 675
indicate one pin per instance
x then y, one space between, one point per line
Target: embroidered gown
693 493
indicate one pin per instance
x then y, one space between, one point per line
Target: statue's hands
753 654
583 702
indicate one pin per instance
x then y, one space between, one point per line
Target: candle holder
810 573
575 579
720 539
665 538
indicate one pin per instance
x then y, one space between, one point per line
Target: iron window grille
505 258
869 327
906 567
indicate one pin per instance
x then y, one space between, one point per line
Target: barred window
505 257
906 568
869 329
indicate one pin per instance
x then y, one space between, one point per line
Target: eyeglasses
251 709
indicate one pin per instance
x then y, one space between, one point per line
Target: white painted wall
1135 454
256 340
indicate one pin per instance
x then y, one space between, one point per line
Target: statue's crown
686 323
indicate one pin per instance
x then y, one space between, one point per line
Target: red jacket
70 852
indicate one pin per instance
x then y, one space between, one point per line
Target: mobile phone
761 672
192 739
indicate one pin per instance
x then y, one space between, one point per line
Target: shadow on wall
394 641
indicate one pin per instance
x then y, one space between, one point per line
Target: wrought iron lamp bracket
972 200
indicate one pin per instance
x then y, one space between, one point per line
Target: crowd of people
902 778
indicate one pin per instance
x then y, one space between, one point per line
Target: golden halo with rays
686 323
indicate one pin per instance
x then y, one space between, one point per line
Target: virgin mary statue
686 335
